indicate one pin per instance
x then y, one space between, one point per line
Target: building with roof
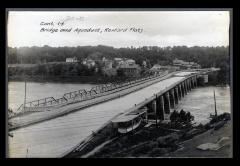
71 60
130 70
130 62
89 63
107 64
156 69
185 65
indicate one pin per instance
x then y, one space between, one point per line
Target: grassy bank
152 141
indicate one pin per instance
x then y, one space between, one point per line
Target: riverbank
68 79
189 148
164 140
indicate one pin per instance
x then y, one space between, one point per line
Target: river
200 102
39 90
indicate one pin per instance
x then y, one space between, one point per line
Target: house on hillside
117 62
185 65
89 63
130 62
130 70
71 60
156 69
107 63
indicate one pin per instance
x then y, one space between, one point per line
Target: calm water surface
200 102
39 90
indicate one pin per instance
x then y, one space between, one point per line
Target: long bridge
53 130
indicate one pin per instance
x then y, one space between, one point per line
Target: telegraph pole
25 95
215 104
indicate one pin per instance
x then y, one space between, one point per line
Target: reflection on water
39 90
200 102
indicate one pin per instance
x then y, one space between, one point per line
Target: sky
157 28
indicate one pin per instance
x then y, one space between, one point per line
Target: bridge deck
52 138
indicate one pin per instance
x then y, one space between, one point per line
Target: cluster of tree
54 69
181 117
205 56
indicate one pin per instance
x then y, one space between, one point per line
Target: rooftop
129 116
124 118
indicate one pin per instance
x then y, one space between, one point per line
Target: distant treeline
205 56
53 69
60 72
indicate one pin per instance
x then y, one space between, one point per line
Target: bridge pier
167 103
172 99
181 90
189 84
154 108
162 109
192 85
196 81
176 95
189 87
186 86
193 82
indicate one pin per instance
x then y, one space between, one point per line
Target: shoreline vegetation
152 141
68 79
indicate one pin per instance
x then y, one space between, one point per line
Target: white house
156 67
130 62
74 59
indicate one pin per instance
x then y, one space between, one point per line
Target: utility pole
25 95
215 104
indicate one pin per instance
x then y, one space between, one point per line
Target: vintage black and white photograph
119 83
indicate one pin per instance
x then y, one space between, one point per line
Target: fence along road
54 137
